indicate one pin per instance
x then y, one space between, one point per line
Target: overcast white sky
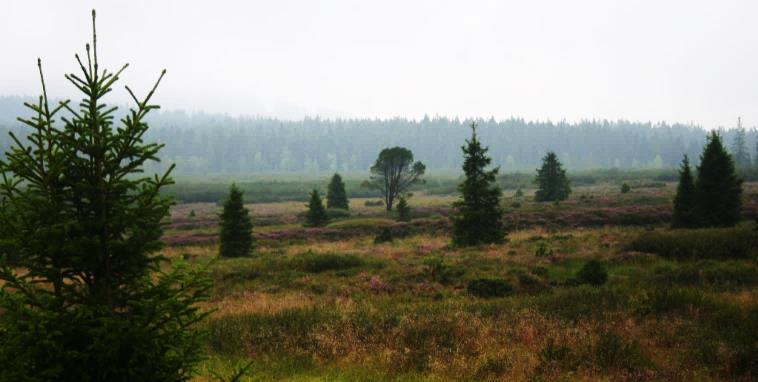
678 61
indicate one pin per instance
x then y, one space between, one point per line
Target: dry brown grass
258 303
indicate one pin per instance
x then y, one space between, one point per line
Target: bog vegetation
413 275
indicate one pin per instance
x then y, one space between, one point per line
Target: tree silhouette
85 297
316 215
336 197
403 209
394 172
478 217
236 229
684 215
552 180
718 190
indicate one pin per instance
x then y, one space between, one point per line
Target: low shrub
625 188
593 273
543 251
374 203
706 243
385 236
437 270
322 262
531 283
487 288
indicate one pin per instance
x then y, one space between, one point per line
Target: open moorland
344 302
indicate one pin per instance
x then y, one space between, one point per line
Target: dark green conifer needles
236 228
478 217
85 296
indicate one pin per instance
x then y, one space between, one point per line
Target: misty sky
678 61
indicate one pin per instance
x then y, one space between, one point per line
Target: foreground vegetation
331 304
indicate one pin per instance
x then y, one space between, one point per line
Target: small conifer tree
85 295
552 180
478 217
684 201
403 209
336 197
718 190
236 229
316 215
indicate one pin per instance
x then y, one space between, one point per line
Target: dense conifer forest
201 143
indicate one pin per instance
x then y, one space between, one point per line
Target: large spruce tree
478 217
85 295
718 190
316 215
551 179
684 215
336 197
236 229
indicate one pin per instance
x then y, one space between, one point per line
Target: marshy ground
329 303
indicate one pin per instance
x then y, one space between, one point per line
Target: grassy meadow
331 303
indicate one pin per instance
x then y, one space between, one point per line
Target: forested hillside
203 144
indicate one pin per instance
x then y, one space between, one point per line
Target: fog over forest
202 143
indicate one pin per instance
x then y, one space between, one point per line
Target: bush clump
385 236
323 262
487 288
531 283
543 251
593 273
706 243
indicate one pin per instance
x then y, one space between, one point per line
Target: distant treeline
289 188
202 144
